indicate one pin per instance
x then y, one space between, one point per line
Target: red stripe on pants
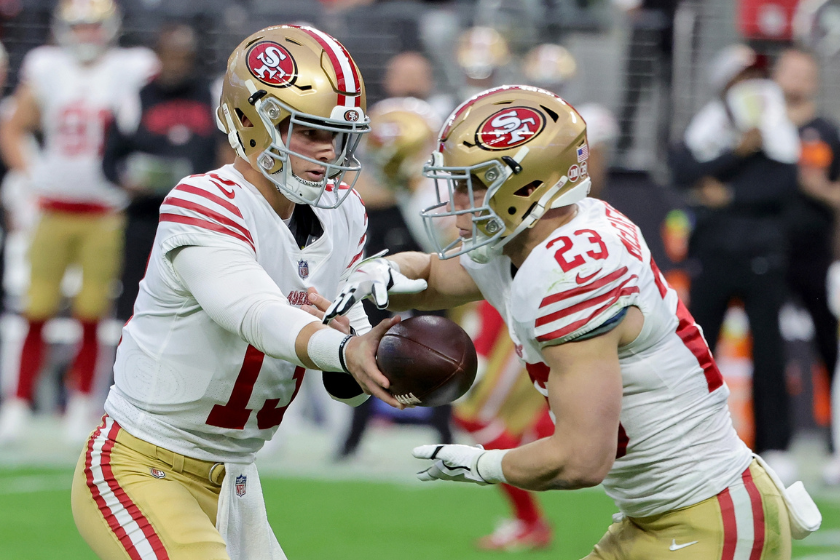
730 528
130 507
757 514
100 501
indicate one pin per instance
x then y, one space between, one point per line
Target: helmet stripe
345 70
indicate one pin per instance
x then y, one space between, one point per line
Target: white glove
461 463
374 278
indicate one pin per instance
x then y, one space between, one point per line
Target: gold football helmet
480 51
403 132
550 65
525 146
86 46
304 75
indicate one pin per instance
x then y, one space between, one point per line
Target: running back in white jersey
182 381
676 443
77 101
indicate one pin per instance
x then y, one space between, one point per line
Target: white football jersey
183 382
77 102
676 442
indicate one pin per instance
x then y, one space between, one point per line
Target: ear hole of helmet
243 119
526 191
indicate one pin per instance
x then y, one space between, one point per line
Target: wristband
341 349
326 349
489 466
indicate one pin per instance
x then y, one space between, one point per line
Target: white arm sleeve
359 319
239 295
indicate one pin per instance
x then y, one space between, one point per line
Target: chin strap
572 196
233 137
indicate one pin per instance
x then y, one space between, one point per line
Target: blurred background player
154 141
482 54
69 93
812 212
739 159
402 136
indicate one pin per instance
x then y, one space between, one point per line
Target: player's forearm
12 140
449 285
414 265
239 296
16 127
557 464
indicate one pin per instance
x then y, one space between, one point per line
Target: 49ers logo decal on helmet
272 64
510 127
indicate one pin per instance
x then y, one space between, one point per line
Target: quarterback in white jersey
638 402
69 93
183 379
218 344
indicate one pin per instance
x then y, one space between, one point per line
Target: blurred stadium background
369 505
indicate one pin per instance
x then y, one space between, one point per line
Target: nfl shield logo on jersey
303 268
241 481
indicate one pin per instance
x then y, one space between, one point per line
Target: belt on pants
208 470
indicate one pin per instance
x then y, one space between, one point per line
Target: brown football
429 360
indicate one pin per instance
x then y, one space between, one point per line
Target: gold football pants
747 521
93 241
133 500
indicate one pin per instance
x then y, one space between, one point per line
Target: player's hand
360 358
750 143
712 193
451 462
372 278
319 305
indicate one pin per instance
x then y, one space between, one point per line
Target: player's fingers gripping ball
428 360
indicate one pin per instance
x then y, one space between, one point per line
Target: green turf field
318 520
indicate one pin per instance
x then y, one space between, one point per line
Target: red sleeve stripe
689 332
362 240
601 282
204 224
572 309
227 182
224 220
210 196
623 441
357 257
567 330
658 278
